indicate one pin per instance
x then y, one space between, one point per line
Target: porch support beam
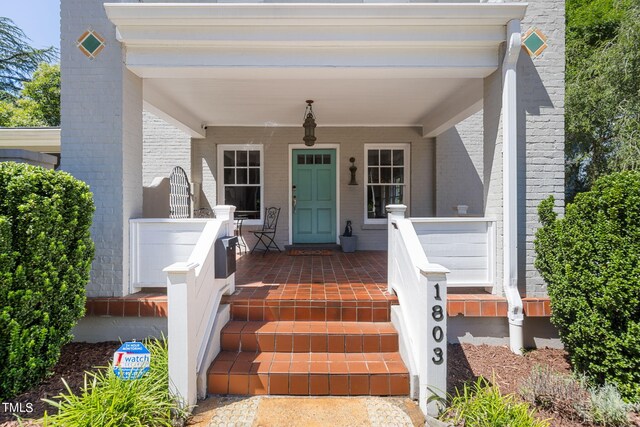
159 105
510 185
466 102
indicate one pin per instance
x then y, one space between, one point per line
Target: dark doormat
309 251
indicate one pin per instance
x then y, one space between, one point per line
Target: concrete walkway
285 411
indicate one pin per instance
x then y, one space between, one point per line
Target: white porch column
393 212
510 185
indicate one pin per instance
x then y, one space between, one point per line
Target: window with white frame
387 177
241 178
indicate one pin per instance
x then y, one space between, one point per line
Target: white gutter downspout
510 183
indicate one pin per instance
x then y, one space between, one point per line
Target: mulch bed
75 359
466 363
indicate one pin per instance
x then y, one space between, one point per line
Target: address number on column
438 335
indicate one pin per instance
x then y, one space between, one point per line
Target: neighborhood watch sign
131 361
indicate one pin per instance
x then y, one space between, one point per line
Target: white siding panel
464 246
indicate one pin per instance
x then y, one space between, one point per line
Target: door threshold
313 246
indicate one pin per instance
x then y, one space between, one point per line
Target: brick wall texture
163 147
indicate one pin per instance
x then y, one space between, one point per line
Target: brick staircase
307 340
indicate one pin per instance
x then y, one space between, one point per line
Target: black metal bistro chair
268 232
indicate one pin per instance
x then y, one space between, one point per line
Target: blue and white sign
131 361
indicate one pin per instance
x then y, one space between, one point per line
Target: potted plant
348 241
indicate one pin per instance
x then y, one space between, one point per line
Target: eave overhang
307 42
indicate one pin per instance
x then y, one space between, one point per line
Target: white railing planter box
158 242
465 246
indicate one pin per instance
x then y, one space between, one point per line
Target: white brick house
436 102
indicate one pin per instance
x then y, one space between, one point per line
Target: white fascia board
304 14
273 73
187 56
45 140
319 36
466 102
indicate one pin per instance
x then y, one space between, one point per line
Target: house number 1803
438 335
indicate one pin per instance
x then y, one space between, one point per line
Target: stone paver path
283 411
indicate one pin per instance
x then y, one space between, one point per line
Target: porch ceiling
254 64
280 102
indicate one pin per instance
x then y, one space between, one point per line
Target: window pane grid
241 180
385 180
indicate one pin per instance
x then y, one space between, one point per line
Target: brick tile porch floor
359 279
342 287
339 273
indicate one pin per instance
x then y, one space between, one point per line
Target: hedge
590 260
45 258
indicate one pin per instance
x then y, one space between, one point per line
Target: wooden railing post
394 212
433 345
182 346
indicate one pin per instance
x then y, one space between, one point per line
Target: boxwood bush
45 258
590 260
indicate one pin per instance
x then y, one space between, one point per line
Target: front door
314 193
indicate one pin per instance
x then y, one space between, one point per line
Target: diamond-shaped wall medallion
534 41
90 43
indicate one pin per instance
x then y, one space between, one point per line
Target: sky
39 19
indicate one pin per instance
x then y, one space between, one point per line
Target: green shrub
106 400
590 260
482 405
45 257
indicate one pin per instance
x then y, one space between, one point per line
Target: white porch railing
465 246
180 254
421 317
157 243
194 295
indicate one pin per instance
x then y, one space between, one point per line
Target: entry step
316 374
305 337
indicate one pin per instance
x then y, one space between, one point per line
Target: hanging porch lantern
309 125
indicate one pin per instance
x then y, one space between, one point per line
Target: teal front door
314 196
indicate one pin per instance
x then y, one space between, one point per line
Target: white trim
290 162
178 38
303 14
43 140
438 220
220 176
406 199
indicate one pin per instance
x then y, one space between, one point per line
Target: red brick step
311 310
305 337
315 374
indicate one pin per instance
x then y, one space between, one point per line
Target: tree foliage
38 103
18 59
603 90
590 260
